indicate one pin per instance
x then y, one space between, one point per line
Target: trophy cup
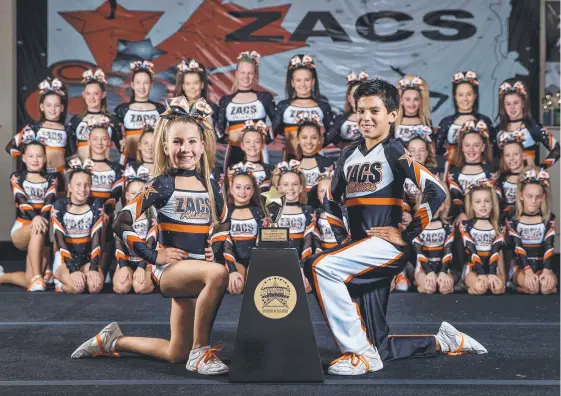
271 235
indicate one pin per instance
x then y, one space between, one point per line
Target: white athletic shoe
49 278
205 361
37 284
454 342
1 270
100 345
352 364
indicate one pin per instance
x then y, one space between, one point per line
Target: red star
149 190
204 36
102 34
407 156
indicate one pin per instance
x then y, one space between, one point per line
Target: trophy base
277 237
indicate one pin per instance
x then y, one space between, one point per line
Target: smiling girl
415 106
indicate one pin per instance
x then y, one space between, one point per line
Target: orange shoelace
209 355
459 350
103 351
355 360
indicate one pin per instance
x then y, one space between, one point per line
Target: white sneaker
1 270
454 342
352 364
37 284
103 344
205 361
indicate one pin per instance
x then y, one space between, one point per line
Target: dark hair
134 73
26 145
290 92
301 126
475 91
348 106
181 75
103 100
386 91
256 190
526 114
63 101
73 172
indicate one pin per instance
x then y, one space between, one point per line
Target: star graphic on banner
207 31
102 35
407 156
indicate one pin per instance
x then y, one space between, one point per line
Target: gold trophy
271 235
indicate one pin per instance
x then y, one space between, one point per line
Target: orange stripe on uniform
373 268
374 201
195 229
133 132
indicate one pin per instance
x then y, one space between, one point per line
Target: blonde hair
205 165
503 167
277 176
255 79
546 204
458 159
90 134
424 109
139 158
495 211
430 161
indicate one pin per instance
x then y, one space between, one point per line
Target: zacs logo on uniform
275 297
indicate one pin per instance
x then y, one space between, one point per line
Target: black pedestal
275 341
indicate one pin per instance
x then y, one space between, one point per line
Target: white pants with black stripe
331 271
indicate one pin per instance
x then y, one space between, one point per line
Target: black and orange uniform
146 227
434 249
54 140
241 237
301 229
482 248
312 174
352 280
32 198
535 134
534 244
449 133
232 117
326 233
108 185
342 131
78 131
184 218
286 120
508 194
411 192
78 236
403 131
133 120
457 182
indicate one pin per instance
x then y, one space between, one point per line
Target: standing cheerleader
34 192
252 144
514 115
415 106
77 223
312 164
483 240
533 234
95 98
49 129
344 129
245 219
302 91
512 163
434 254
245 103
145 150
465 93
132 271
296 216
134 114
188 203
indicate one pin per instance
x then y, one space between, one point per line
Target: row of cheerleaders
496 230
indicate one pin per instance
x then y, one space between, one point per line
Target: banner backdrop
496 38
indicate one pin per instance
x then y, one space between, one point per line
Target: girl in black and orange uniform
145 150
246 216
77 224
415 106
514 115
344 129
513 161
483 240
245 103
140 110
302 92
252 144
533 234
465 93
34 192
132 271
95 98
312 164
188 204
296 216
49 129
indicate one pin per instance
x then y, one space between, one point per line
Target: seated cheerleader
310 140
252 143
132 271
49 129
513 161
77 224
415 107
483 240
434 254
188 204
34 191
344 129
145 150
245 219
139 110
533 234
296 216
